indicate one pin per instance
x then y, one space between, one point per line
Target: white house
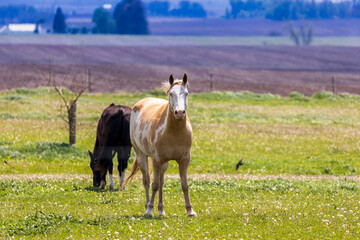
20 28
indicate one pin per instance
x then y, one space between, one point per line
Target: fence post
72 122
333 84
89 80
211 82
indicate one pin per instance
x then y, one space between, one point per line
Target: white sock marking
111 185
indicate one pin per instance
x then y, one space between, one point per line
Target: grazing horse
161 130
112 137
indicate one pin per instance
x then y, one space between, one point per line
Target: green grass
116 40
277 136
276 209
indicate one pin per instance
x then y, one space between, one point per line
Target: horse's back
113 126
146 117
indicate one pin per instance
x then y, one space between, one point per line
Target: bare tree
303 35
78 78
306 32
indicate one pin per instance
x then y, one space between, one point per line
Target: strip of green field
275 135
227 209
124 40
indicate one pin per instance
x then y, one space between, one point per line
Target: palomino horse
161 130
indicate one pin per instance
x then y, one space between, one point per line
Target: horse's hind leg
123 157
162 178
155 184
142 161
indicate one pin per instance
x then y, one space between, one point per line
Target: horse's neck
172 124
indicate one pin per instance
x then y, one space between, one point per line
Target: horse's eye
186 93
171 94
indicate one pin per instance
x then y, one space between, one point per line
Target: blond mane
166 85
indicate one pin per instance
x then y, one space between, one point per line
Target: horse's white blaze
178 98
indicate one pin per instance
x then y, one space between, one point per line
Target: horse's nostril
183 111
176 111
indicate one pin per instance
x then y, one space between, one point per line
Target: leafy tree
103 21
188 9
240 8
303 9
355 9
311 10
84 30
326 9
280 11
59 25
22 14
130 18
158 8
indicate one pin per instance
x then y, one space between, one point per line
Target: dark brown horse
112 136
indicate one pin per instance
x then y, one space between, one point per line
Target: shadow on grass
155 217
97 189
94 189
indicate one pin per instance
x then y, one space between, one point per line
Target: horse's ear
185 79
171 79
91 154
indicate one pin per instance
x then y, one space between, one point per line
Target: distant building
78 24
21 28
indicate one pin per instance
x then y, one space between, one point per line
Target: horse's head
96 173
178 93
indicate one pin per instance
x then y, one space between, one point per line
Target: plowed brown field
275 69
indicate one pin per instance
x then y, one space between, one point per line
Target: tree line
184 9
128 17
293 9
22 13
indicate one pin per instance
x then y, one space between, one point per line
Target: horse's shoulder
150 104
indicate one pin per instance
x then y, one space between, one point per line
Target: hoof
102 185
192 213
148 214
111 187
162 214
122 188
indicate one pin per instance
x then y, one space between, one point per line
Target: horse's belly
167 150
139 134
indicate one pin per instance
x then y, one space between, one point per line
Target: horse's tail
134 170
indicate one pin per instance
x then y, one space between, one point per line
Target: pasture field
300 177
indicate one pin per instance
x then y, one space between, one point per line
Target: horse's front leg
111 181
103 178
162 179
183 167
